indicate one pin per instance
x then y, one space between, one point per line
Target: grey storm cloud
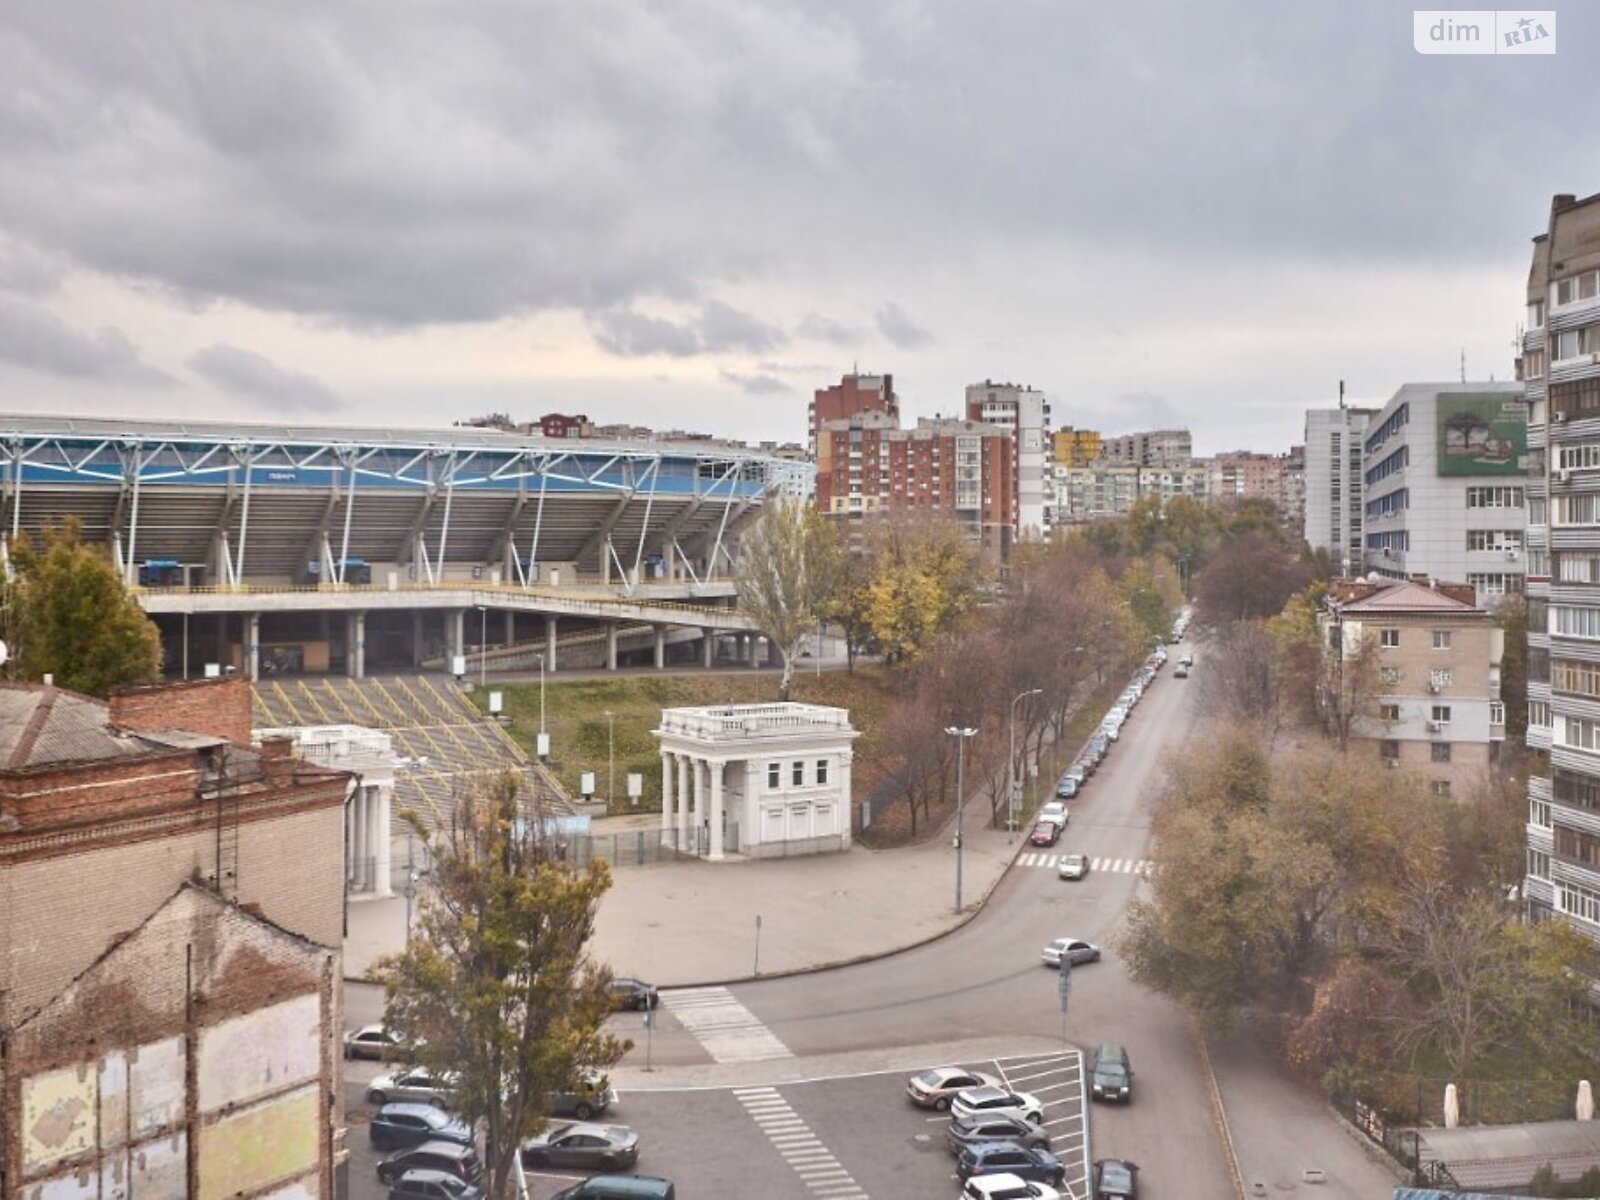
719 328
818 328
36 338
755 383
374 164
249 375
26 270
896 325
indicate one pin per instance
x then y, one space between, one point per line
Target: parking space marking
813 1162
1066 1114
728 1031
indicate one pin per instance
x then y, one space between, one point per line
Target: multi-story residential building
867 466
853 395
1430 656
1293 504
1560 370
1247 475
1334 465
1026 414
1075 447
1102 490
564 425
1153 448
171 912
1445 485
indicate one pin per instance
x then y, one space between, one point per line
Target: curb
1219 1114
1374 1152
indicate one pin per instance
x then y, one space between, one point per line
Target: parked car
1045 833
373 1041
1006 1187
1097 747
1054 811
433 1185
1001 1158
1110 1073
965 1131
1087 764
416 1085
1115 1179
619 1187
453 1158
1075 949
586 1146
997 1101
632 994
400 1124
937 1086
1111 730
1073 866
1067 786
589 1096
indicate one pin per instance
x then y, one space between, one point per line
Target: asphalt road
983 981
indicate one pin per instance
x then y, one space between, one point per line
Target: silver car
416 1085
587 1147
938 1086
1076 951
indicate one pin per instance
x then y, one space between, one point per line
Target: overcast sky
693 212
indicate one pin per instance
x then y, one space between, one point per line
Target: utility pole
611 756
961 734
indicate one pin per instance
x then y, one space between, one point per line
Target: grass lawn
575 718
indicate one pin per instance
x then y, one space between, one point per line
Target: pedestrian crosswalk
1116 866
818 1169
727 1029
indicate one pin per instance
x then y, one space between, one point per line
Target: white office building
1333 483
1026 413
1446 465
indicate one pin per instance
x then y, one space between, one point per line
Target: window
1494 497
822 771
1539 813
1578 846
1441 639
1578 456
1582 509
1539 713
1389 675
1439 678
1579 791
1497 713
1536 315
1577 343
798 773
1574 678
1494 539
1389 639
1577 287
1533 365
1578 732
1441 751
774 776
1539 865
1576 568
1441 713
1440 787
1389 750
1495 583
1568 620
1571 899
1389 712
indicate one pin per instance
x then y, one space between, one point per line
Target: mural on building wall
1482 433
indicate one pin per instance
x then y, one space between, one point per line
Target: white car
1076 949
1055 812
1006 1186
372 1041
997 1102
415 1085
1112 729
938 1086
1186 661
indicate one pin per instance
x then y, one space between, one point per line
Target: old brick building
171 906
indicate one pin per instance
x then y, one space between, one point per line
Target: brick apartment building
171 907
1436 706
851 397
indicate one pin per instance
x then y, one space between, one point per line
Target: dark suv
1025 1162
1112 1074
395 1126
433 1185
452 1158
632 993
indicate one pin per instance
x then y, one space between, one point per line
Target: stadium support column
252 646
708 647
611 645
458 635
754 645
661 647
416 637
550 623
355 659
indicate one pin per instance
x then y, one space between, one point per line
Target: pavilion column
846 809
683 802
382 807
716 768
699 769
668 818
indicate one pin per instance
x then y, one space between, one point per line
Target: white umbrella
1452 1107
1585 1110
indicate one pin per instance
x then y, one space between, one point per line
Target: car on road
1045 833
1073 866
1115 1179
1055 812
997 1101
423 1184
1006 1187
967 1131
1186 661
399 1125
620 1187
1067 786
1075 949
1180 672
452 1158
1110 1073
416 1085
1000 1158
937 1086
590 1095
632 994
372 1041
583 1145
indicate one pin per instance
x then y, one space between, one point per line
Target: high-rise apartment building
852 395
1075 447
1560 372
1445 485
1026 413
1333 483
1103 490
1247 475
1154 448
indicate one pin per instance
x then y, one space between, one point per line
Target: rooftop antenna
1341 393
1463 364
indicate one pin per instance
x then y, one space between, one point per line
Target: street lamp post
483 646
611 756
1012 781
961 734
541 693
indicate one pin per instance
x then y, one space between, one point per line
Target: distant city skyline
1169 217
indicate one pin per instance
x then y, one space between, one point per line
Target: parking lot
845 1138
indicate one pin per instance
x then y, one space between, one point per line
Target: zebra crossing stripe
813 1162
728 1031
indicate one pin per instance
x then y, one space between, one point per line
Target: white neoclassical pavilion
758 780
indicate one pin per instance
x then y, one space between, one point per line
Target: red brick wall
220 707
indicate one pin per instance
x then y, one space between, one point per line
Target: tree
1352 680
925 579
73 619
496 986
789 566
1511 614
1251 576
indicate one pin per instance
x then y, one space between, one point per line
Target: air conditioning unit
1435 726
1559 418
1433 688
1512 555
1392 763
1561 476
